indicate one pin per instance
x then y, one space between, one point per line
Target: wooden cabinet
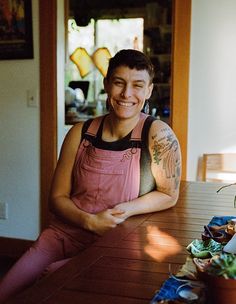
158 46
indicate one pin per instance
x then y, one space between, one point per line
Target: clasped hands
105 220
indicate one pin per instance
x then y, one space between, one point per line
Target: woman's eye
138 85
118 83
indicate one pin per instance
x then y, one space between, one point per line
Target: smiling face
127 90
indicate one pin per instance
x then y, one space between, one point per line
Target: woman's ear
105 84
149 92
107 104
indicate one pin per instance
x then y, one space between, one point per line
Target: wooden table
131 262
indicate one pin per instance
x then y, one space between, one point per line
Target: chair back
219 167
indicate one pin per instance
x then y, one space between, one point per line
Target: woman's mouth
125 104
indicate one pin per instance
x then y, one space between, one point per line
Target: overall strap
147 181
94 126
145 131
136 134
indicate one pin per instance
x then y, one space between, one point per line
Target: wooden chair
219 167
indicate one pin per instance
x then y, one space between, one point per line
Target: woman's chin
126 112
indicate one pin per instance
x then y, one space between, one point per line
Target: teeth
125 104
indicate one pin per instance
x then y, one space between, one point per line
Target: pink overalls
101 180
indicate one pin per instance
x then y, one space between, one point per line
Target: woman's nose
126 92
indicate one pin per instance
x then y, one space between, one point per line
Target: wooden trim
180 75
204 162
13 248
48 100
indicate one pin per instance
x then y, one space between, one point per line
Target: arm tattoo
165 149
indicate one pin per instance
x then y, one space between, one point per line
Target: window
89 48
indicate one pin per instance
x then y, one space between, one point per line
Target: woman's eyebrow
140 80
122 79
117 78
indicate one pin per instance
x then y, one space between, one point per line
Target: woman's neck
115 128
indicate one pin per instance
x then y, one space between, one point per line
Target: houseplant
219 276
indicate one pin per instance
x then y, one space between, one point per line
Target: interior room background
211 121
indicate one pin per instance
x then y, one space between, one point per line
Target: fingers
115 216
116 211
119 220
108 219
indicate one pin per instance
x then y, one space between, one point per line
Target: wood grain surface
131 262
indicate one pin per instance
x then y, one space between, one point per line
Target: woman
110 168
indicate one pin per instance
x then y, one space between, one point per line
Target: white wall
212 95
20 135
19 143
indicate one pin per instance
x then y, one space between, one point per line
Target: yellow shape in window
82 60
101 60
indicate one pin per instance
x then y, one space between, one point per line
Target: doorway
96 27
89 49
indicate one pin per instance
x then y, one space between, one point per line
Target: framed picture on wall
16 41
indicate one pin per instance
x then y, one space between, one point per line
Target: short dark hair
133 59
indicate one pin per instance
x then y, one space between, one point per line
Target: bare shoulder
75 131
159 127
161 132
72 140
